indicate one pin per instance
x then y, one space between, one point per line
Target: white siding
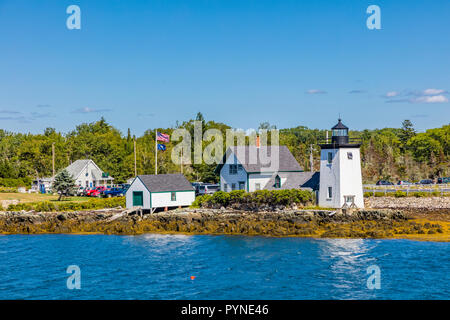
342 175
163 199
137 185
229 179
86 176
261 178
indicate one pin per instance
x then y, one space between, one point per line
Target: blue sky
146 64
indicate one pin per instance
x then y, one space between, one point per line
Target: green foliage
257 198
391 153
48 206
63 183
15 182
399 194
220 198
8 190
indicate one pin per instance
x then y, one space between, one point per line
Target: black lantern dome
339 133
340 138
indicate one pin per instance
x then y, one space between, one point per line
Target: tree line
389 153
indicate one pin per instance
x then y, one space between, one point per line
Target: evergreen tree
63 184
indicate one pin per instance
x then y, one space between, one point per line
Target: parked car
426 181
113 192
97 191
208 189
124 187
443 180
79 191
404 183
384 183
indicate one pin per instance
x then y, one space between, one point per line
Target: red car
96 192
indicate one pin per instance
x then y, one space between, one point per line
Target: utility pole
135 168
53 160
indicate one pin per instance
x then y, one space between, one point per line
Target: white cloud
90 110
431 99
315 91
392 94
433 92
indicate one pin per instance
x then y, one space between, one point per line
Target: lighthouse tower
340 171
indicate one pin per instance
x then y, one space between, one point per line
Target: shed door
138 198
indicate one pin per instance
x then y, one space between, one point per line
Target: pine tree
63 184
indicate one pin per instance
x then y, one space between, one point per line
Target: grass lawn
36 197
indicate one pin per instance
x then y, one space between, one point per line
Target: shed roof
166 182
295 180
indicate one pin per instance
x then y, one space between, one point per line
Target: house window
277 182
241 185
257 186
233 168
349 155
233 186
330 157
225 187
330 192
173 196
239 166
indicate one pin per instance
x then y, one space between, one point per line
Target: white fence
441 188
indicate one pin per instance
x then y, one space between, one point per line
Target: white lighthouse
340 171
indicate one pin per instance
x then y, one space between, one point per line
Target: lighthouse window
349 155
330 157
330 192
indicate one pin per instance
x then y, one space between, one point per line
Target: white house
254 168
160 191
87 174
340 171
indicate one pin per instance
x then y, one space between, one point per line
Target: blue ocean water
225 267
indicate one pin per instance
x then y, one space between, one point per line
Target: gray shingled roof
295 180
75 168
249 157
166 182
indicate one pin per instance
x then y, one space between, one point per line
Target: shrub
220 198
257 198
15 183
200 200
8 190
399 194
236 196
419 194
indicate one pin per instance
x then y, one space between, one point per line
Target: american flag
162 137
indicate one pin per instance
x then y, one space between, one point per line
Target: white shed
159 191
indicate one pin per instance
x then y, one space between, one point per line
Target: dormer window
277 182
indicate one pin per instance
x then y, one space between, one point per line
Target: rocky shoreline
372 223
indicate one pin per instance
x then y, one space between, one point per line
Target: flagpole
156 151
